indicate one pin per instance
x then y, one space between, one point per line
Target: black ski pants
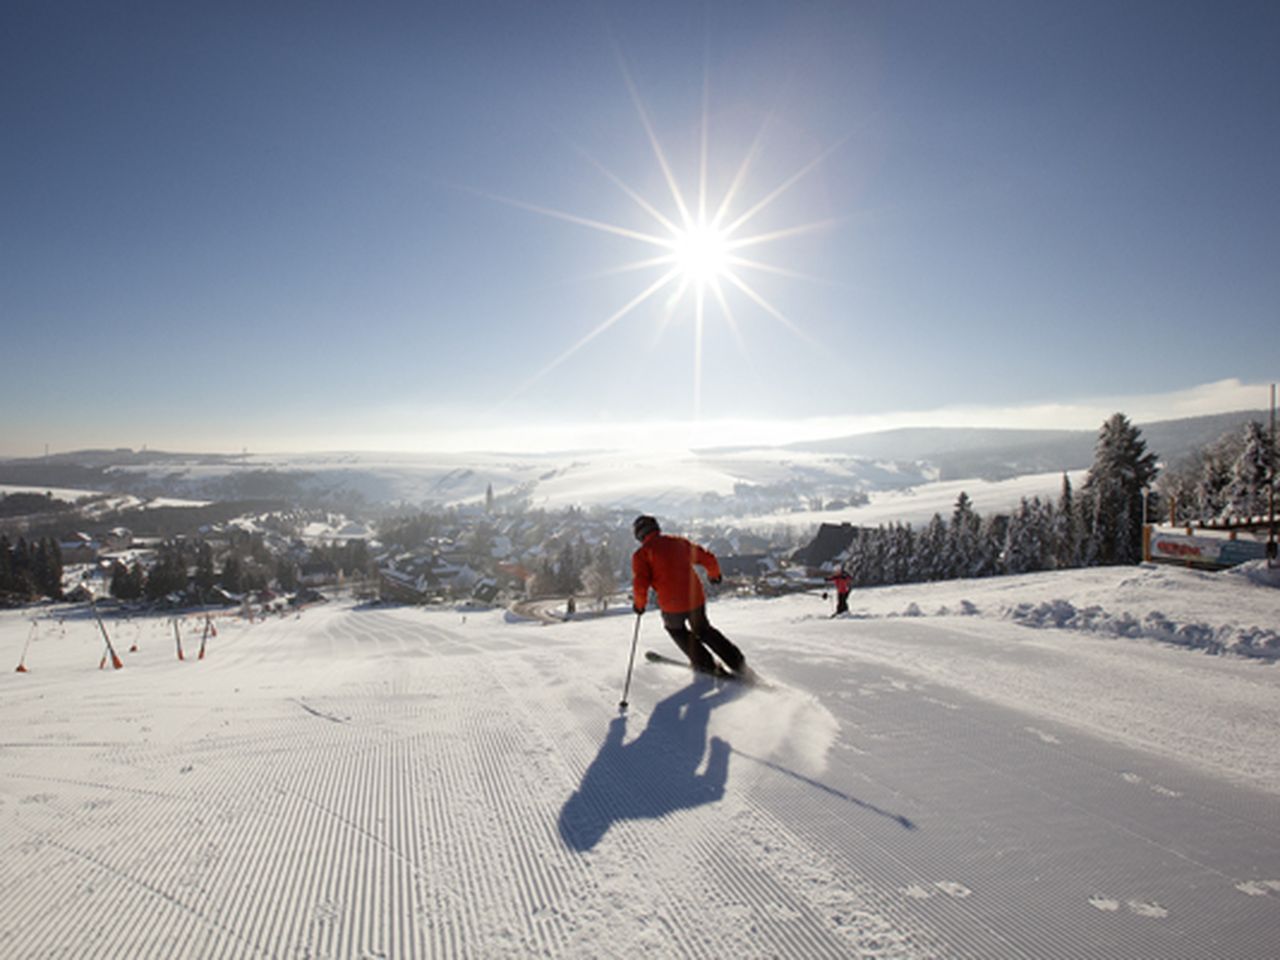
693 634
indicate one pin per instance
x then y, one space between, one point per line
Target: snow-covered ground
954 770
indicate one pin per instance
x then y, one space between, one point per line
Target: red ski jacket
843 582
666 564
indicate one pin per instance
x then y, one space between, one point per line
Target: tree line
30 569
186 567
1100 525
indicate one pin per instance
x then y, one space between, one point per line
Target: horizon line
1222 398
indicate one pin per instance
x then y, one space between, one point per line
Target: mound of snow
1248 641
1257 572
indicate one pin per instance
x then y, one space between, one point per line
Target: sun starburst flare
695 252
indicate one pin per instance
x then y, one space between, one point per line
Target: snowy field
1040 766
917 504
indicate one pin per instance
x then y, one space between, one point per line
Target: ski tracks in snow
381 784
394 783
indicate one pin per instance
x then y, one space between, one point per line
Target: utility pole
1271 495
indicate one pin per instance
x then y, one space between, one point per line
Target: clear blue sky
291 225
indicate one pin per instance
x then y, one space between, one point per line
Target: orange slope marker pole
177 636
204 637
22 662
116 662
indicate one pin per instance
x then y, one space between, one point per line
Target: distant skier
843 584
666 563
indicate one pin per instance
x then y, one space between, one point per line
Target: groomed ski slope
398 782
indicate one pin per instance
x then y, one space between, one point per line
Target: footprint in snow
1259 888
1164 791
941 703
326 912
1139 908
1044 737
952 889
1143 909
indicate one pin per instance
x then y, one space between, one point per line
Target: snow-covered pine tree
865 572
911 548
1066 528
991 536
886 548
872 545
1112 495
933 559
1215 477
1046 522
903 552
1027 539
962 538
855 559
1246 494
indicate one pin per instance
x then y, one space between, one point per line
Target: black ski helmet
644 525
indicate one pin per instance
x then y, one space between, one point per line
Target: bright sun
697 243
701 253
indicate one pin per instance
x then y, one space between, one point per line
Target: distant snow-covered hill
894 475
997 454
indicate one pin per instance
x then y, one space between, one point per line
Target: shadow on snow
657 773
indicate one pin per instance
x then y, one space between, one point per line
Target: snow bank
1235 611
1257 572
1249 641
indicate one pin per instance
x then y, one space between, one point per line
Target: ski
749 678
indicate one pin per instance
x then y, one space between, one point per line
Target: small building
831 541
79 548
117 539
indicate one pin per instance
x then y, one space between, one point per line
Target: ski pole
626 687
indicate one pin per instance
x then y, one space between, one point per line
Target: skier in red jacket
666 564
843 584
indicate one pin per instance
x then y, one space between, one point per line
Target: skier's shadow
654 774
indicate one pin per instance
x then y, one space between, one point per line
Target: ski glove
715 581
637 609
